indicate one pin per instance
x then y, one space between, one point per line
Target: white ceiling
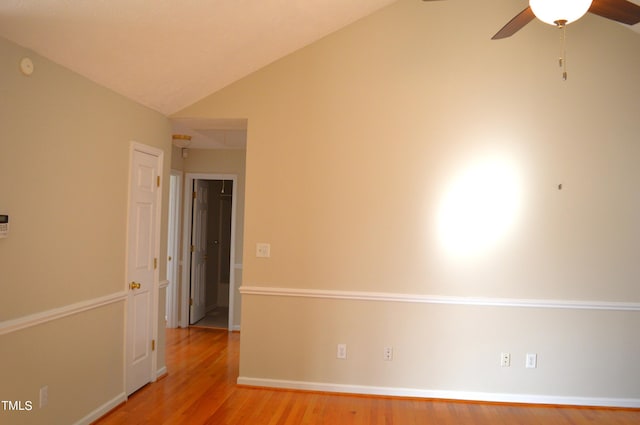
168 54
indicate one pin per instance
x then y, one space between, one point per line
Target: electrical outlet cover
387 354
263 250
505 359
342 351
44 396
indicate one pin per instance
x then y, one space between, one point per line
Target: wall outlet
531 361
263 250
505 359
342 351
44 396
387 354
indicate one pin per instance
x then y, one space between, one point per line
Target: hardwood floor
200 389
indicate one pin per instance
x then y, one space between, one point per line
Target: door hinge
193 248
158 181
190 301
153 345
155 263
195 195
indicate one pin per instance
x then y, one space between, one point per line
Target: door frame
159 154
186 243
175 199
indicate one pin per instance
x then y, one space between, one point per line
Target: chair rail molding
440 299
35 319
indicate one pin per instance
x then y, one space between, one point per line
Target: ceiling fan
563 12
560 13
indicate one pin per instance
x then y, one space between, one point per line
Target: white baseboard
440 394
235 328
103 410
161 372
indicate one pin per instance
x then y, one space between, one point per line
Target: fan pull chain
563 49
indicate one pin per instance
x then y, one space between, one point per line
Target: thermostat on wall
4 225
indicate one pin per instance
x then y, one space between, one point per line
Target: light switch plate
532 361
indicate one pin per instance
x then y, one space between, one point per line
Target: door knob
134 285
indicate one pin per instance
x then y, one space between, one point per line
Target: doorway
217 257
209 242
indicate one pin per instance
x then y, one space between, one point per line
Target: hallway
217 318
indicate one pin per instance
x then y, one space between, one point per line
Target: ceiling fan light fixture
554 11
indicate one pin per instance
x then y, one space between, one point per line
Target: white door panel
199 253
139 322
143 203
171 307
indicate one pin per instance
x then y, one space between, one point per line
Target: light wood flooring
200 388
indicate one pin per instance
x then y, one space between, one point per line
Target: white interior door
171 306
141 265
199 251
224 247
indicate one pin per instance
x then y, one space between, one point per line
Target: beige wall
177 162
371 149
222 161
64 167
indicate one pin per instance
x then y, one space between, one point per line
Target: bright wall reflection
480 206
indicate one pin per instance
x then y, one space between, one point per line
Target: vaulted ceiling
168 54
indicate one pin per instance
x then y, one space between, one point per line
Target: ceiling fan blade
617 10
516 24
